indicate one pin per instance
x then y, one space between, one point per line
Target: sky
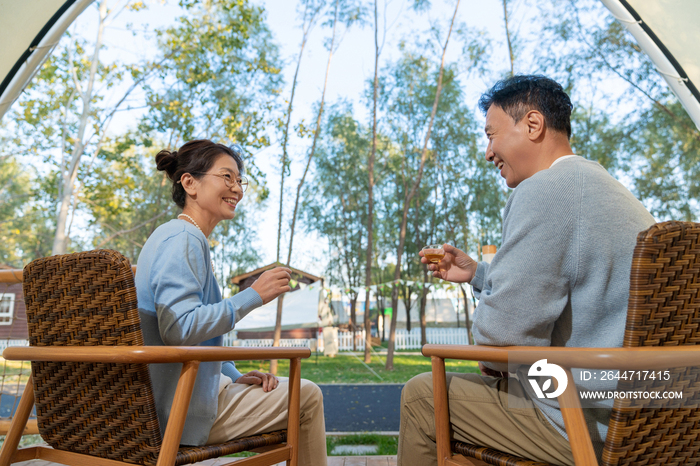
351 68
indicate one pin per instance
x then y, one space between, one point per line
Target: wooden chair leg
442 412
294 409
575 424
178 414
19 421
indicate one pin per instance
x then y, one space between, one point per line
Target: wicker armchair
663 323
90 378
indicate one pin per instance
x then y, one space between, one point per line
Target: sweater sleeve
526 287
178 277
229 368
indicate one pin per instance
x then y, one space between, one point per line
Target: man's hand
272 283
268 381
455 267
490 372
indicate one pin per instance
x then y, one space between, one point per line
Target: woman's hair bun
167 161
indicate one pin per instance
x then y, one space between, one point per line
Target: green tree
335 205
25 229
343 13
219 78
60 125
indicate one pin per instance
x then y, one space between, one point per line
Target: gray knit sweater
562 274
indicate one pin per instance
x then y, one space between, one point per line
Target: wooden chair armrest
643 358
148 354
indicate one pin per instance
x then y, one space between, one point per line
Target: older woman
180 303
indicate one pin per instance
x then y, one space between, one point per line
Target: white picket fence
6 342
404 340
230 340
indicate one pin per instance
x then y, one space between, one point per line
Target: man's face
508 144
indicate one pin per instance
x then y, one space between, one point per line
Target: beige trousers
481 413
247 410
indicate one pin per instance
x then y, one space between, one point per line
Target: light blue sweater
562 274
180 304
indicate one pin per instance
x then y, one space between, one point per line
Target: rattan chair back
99 409
664 310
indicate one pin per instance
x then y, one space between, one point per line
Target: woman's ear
535 125
189 184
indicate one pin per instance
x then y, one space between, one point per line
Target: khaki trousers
481 413
246 410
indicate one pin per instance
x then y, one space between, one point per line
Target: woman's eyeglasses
228 180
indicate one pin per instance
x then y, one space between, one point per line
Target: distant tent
304 308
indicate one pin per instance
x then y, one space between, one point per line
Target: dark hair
518 95
195 157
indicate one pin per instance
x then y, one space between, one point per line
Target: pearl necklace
198 228
192 221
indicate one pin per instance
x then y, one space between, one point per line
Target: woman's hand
268 381
455 267
272 283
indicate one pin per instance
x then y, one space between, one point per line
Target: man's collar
560 159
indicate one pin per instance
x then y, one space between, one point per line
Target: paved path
362 407
348 407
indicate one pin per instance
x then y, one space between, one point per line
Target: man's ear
189 184
535 125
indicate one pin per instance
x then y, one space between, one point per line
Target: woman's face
214 199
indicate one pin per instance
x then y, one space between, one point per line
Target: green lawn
387 445
13 374
345 368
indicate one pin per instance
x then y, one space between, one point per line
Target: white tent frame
669 68
38 50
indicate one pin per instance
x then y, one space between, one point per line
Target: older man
560 278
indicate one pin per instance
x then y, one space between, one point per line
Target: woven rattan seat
97 403
662 333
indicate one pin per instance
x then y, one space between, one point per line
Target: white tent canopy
303 308
668 31
29 30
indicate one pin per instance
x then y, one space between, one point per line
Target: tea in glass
433 253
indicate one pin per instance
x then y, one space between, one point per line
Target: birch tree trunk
409 197
370 189
307 24
278 320
423 303
510 47
69 169
353 318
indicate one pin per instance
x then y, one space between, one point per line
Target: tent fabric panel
676 24
673 71
300 309
38 45
24 24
